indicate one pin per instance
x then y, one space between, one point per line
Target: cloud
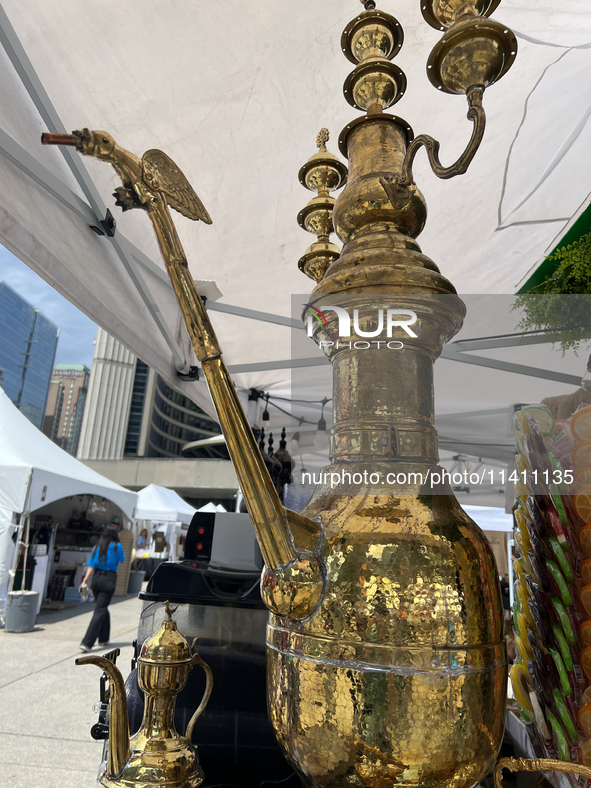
77 332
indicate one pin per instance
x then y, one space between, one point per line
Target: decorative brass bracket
537 765
478 118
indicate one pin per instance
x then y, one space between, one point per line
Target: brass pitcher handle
208 688
537 765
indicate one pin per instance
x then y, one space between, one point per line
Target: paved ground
46 702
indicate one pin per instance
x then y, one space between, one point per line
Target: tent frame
23 525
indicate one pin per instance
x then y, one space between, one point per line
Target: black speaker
199 537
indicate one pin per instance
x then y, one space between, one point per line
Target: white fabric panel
56 474
163 505
490 518
235 93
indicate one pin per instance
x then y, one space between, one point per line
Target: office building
65 405
132 412
135 426
28 341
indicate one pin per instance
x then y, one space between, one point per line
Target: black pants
103 587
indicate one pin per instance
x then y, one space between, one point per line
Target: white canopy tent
235 93
161 504
212 507
26 453
35 472
167 513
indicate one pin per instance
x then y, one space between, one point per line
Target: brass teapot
156 755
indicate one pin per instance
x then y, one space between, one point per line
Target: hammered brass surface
296 591
375 148
400 677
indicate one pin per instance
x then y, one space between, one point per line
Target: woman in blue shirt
102 568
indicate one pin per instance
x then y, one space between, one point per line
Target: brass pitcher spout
119 747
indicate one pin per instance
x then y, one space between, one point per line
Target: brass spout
59 139
294 577
119 749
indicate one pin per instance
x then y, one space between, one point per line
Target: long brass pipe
153 183
270 519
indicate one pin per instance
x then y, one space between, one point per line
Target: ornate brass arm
293 579
478 118
536 765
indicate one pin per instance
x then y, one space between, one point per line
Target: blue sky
77 332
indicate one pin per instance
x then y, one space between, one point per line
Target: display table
147 565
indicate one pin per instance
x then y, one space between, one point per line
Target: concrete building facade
65 405
110 389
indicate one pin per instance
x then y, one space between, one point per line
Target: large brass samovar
386 657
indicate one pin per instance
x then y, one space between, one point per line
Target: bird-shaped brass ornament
153 183
145 180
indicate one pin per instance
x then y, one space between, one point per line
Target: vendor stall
51 501
165 516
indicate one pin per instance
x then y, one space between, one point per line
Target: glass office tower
28 341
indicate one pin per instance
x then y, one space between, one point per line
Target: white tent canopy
212 507
235 93
162 505
490 518
25 453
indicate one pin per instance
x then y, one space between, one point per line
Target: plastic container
21 611
135 582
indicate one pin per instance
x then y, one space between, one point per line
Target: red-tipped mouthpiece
59 139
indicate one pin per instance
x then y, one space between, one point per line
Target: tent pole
27 536
19 542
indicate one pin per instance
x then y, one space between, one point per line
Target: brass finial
168 610
322 173
322 138
371 41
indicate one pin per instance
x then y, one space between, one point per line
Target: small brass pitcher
156 755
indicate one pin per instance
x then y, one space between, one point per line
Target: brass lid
441 14
166 646
323 172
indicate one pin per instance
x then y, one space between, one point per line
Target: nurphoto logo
394 319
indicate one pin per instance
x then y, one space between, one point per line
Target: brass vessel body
156 755
399 677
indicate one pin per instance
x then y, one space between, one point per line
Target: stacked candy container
552 630
581 503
